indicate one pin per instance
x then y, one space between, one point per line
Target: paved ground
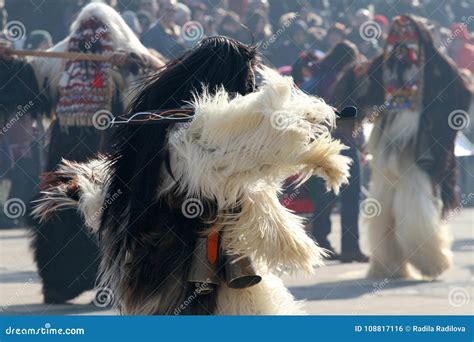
334 289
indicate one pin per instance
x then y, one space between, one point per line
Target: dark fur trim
20 90
147 242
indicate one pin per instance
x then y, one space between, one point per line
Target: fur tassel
74 185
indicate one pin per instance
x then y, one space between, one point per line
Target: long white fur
269 297
235 153
122 37
407 236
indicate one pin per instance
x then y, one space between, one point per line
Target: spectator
38 40
132 20
149 6
145 21
460 49
231 27
258 27
258 6
240 7
384 24
302 69
400 7
164 35
287 51
365 37
183 14
335 34
325 73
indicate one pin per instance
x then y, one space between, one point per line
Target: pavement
335 289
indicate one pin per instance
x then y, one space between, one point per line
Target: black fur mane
145 239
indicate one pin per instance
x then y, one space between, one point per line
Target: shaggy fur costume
58 242
234 154
413 168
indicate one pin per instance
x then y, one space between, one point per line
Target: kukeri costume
408 93
83 96
211 233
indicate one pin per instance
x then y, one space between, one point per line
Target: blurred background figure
132 20
38 40
78 92
231 26
362 22
335 34
151 7
460 48
164 34
409 93
324 75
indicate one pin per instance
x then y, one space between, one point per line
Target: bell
203 273
239 272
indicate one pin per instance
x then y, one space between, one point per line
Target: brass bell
239 272
203 273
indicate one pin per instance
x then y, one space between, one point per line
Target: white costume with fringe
406 227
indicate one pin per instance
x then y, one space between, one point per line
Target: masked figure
408 93
187 213
84 95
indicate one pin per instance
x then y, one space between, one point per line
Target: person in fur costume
187 213
21 107
409 93
84 95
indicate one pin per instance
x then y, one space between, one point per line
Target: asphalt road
336 289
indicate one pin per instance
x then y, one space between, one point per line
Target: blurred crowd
286 30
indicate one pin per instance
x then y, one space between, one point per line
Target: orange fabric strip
212 247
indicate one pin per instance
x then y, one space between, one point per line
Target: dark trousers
349 197
67 257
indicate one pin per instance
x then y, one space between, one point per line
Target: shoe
353 257
331 254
